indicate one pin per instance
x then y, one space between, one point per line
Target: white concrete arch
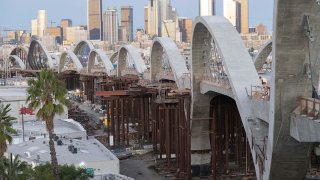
289 82
130 50
114 57
19 61
241 75
39 58
108 66
73 57
82 43
262 55
177 63
23 48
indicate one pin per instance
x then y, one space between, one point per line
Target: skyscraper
186 29
244 16
166 10
110 19
154 22
75 34
206 7
95 28
146 20
64 24
236 11
34 27
127 23
42 22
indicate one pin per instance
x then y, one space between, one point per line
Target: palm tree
47 95
14 169
5 128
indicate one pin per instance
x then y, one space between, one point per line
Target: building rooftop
62 128
37 151
11 93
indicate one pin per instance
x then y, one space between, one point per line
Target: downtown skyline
259 11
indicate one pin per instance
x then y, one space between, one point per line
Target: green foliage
14 169
66 172
46 94
5 127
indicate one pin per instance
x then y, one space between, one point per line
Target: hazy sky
18 13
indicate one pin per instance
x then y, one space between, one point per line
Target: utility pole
22 119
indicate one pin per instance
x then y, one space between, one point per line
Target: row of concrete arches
219 54
84 56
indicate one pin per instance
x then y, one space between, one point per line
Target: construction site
227 116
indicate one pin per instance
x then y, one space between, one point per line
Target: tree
14 169
5 128
43 172
47 96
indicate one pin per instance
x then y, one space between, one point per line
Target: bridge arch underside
69 62
130 62
16 62
168 64
82 51
230 150
221 65
21 52
160 68
38 57
99 63
126 69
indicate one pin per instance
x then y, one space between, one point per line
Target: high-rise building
127 22
206 7
237 12
19 34
76 34
55 32
244 16
146 20
166 10
42 22
11 36
34 27
154 22
64 24
95 27
110 20
186 29
175 17
169 29
25 38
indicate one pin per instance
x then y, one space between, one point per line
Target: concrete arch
241 75
83 43
262 55
114 57
23 48
136 57
39 58
73 57
289 82
21 52
177 62
19 61
108 67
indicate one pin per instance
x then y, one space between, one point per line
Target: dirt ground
140 168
